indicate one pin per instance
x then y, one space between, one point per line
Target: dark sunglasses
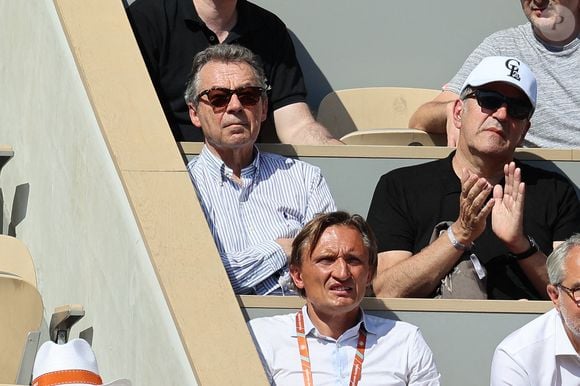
493 100
219 97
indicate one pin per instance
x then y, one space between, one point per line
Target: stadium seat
394 137
21 309
15 259
345 111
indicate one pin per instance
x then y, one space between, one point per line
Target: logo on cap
514 66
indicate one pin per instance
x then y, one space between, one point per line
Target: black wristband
527 253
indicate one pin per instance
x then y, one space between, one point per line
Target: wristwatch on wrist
527 253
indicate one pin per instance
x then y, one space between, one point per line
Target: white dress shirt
540 353
395 353
274 198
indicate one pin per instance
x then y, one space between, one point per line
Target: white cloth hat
507 70
71 364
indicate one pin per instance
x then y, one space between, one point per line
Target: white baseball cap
71 364
507 70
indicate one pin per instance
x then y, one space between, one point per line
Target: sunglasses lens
219 98
249 96
490 101
518 109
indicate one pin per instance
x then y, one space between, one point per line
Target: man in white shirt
546 350
331 340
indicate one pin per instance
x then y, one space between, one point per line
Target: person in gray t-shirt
550 44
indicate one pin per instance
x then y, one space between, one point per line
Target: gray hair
465 92
557 259
225 53
309 236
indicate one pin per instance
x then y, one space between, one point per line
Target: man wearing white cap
71 364
479 192
550 44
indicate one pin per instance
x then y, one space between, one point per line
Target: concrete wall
67 203
413 43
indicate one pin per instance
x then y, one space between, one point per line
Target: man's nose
501 113
341 269
234 104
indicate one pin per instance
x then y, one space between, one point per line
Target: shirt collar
189 12
367 323
218 170
562 344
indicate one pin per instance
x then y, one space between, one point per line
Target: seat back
394 137
345 111
21 312
15 259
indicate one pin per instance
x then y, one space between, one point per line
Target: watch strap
527 253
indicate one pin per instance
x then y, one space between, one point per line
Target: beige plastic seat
15 259
345 111
21 312
394 137
21 301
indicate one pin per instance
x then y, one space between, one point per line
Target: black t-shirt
409 202
170 33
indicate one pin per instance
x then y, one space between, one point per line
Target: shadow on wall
19 207
316 83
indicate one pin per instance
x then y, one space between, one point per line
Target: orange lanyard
305 355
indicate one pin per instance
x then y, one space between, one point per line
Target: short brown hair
309 236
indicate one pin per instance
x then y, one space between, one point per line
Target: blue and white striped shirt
277 196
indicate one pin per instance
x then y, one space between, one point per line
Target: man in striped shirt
255 203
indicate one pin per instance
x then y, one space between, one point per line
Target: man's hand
286 245
507 216
473 210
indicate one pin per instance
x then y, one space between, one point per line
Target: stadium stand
112 219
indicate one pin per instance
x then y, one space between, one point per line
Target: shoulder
384 327
266 329
420 174
194 163
291 164
535 175
531 336
261 14
509 34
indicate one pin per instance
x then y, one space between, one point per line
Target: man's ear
554 295
296 275
457 111
264 108
193 115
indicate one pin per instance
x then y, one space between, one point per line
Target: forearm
419 274
310 133
251 266
430 117
534 268
296 125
